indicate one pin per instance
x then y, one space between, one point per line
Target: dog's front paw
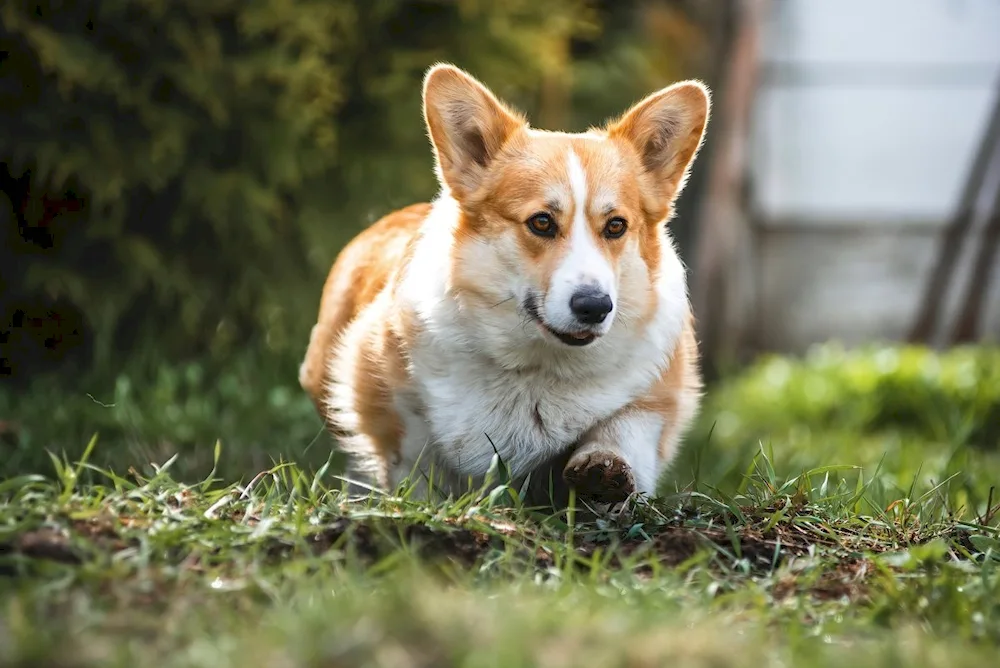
600 475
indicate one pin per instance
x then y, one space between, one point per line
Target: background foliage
181 174
912 415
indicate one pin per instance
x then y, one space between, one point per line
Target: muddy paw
600 476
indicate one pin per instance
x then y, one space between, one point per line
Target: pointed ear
666 129
467 124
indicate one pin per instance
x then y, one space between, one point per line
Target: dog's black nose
590 305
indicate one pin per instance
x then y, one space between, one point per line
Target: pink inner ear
475 146
660 131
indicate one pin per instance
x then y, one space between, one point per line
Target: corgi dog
535 308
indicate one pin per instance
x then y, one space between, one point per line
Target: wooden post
968 322
721 226
940 279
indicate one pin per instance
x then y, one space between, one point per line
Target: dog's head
567 231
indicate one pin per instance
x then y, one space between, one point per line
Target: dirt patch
43 544
102 532
70 546
848 579
371 540
673 545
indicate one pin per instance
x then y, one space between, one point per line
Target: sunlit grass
288 566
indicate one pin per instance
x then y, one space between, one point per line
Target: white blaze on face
584 266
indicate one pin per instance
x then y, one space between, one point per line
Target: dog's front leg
617 457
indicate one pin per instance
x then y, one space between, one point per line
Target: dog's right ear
667 129
468 127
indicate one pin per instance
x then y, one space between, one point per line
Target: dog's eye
615 228
542 225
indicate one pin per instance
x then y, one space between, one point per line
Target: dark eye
615 228
542 225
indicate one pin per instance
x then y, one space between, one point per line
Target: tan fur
359 274
676 392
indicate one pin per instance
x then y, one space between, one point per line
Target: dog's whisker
502 301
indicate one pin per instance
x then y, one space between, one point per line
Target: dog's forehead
568 165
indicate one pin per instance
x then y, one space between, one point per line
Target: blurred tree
184 170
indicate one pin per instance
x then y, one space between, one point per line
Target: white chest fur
466 409
481 385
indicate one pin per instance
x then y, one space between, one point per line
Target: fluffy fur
536 308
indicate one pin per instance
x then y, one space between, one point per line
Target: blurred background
177 178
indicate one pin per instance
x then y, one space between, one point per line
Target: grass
150 411
287 570
882 555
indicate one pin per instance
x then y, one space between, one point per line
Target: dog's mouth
568 338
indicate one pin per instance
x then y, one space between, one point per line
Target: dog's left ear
666 129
